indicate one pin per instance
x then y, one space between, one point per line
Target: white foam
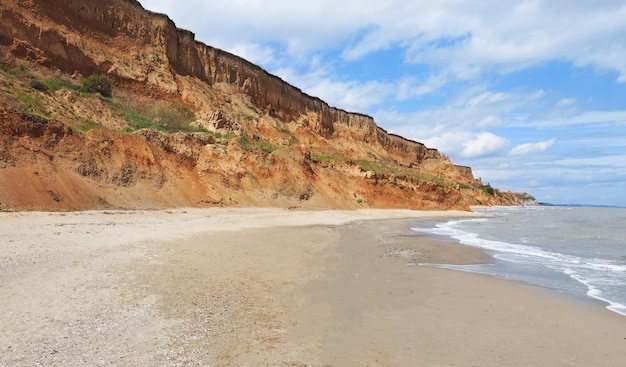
594 292
599 276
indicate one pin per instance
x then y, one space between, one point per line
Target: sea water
577 250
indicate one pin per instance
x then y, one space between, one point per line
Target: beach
257 287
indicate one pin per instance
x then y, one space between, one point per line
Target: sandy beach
272 287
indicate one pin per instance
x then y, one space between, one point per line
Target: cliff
258 140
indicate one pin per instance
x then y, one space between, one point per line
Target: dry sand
254 287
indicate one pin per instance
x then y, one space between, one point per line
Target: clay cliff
186 124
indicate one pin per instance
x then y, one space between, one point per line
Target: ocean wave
604 279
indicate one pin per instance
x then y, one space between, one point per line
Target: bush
171 117
487 189
38 85
98 83
159 115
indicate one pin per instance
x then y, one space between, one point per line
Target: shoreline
268 286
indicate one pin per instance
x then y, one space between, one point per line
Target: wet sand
253 287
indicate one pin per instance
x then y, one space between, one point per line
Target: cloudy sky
530 94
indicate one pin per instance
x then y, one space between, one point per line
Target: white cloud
566 102
474 110
348 95
255 53
486 98
616 161
592 181
411 87
484 144
300 26
466 144
615 141
351 96
461 37
587 117
532 148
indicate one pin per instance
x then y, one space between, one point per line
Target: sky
531 94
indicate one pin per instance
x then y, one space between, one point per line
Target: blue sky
531 94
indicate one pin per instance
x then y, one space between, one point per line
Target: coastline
267 286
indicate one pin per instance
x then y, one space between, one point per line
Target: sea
580 251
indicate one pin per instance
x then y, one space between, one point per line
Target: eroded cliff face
323 155
132 44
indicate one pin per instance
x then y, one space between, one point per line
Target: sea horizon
580 205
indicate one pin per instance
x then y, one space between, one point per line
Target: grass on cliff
254 142
37 81
57 82
30 103
160 115
20 89
393 169
87 124
24 90
384 168
321 157
219 135
524 196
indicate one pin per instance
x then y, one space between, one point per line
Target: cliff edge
186 124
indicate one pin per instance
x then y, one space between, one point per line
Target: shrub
38 85
487 189
171 117
160 115
524 196
98 83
